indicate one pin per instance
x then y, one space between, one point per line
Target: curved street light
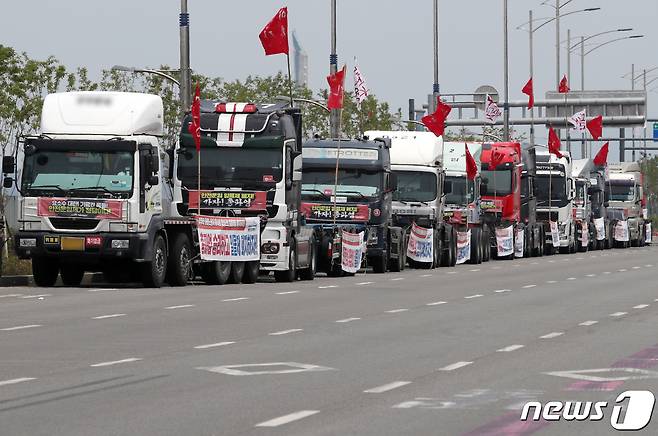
303 100
587 38
146 71
613 40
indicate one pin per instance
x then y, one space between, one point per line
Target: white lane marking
235 299
115 362
348 319
580 258
455 366
327 287
618 314
102 289
285 332
364 283
510 348
641 306
588 323
529 286
552 335
637 267
218 344
181 306
426 275
606 272
648 266
436 303
622 270
551 261
451 272
16 380
501 291
114 315
572 278
473 296
656 299
36 296
474 269
386 387
287 292
590 275
495 267
20 327
10 295
396 310
551 281
285 419
397 278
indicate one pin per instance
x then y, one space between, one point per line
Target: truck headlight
120 244
270 248
28 242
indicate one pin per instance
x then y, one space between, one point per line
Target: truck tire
179 264
476 246
44 271
291 274
486 251
251 270
397 264
237 272
335 271
216 273
71 275
379 264
309 273
154 271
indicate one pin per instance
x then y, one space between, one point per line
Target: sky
392 40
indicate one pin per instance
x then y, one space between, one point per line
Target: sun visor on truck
187 141
80 145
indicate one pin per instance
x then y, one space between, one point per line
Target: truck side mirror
296 166
8 164
392 182
8 182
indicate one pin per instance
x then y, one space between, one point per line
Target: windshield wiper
317 191
352 192
97 188
59 188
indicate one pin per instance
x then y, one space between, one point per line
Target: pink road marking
595 386
508 425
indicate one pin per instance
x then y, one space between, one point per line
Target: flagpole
198 181
532 109
292 103
340 113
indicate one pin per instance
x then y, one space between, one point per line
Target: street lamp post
334 117
584 53
506 68
436 90
185 74
160 73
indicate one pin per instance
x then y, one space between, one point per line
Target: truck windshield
622 192
496 182
558 190
351 183
458 190
89 174
226 166
415 186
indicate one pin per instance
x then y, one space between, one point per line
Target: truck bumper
78 247
274 236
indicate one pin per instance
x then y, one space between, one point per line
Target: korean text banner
421 244
463 247
356 212
79 208
229 199
505 241
352 251
229 239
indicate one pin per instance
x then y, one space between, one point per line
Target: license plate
73 244
51 240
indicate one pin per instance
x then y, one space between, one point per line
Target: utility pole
185 75
532 110
557 44
582 63
334 116
435 88
506 74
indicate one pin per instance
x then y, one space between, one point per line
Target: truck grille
543 216
74 223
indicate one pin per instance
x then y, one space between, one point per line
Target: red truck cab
501 182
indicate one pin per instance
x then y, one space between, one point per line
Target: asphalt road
445 352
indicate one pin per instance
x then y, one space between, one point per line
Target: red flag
564 85
595 126
336 89
195 126
274 35
527 89
436 121
471 166
554 143
496 159
601 158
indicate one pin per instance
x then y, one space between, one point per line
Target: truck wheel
237 272
486 252
396 265
379 264
216 273
71 275
291 274
309 273
179 264
154 271
476 246
44 271
335 271
251 270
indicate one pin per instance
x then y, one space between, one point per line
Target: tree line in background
24 82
